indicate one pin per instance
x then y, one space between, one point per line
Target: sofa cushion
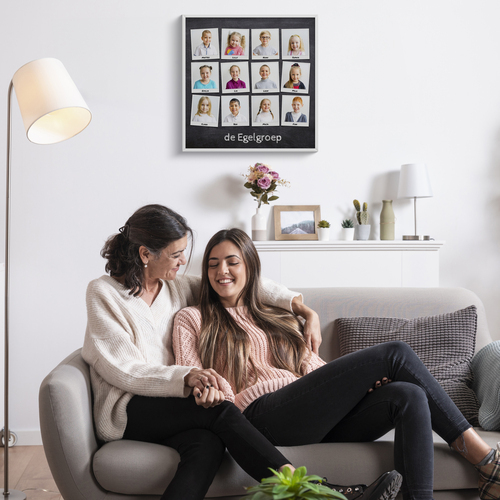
486 368
137 468
445 343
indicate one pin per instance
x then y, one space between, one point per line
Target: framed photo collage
249 83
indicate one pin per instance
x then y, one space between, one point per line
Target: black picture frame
218 130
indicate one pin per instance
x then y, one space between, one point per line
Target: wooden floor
30 473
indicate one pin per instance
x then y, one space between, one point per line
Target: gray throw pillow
486 367
445 343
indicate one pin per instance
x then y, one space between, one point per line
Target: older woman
139 393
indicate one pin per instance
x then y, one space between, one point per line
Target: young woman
139 393
295 398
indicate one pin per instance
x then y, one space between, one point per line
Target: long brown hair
224 345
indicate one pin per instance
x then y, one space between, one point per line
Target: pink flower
262 168
275 175
264 183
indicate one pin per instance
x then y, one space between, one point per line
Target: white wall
399 81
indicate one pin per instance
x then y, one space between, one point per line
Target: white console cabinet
370 263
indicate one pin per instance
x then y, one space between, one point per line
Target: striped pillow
445 343
486 367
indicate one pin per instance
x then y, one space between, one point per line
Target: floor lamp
52 110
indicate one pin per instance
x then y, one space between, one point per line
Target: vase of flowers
262 182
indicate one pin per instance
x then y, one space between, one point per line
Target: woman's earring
145 265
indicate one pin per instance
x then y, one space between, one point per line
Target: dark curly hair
152 226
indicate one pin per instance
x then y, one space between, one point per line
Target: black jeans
200 436
332 404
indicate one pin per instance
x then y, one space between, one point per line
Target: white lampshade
414 181
51 106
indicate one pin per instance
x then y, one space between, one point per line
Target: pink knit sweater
185 339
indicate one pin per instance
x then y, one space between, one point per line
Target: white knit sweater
128 345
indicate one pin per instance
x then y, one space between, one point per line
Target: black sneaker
386 487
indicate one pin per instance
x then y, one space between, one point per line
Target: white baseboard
28 438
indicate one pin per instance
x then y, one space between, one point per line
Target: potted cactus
323 230
296 486
363 218
347 229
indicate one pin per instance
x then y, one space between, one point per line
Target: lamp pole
10 494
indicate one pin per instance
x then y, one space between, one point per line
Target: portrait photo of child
295 43
295 77
234 43
209 46
265 77
205 77
265 110
235 110
235 77
205 110
265 43
295 112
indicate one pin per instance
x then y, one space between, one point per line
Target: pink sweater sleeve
314 363
187 325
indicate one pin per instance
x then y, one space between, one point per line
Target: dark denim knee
408 397
205 445
401 350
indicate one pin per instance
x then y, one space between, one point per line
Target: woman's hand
312 327
209 398
379 383
201 379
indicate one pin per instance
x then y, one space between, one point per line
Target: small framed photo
296 222
235 77
265 43
209 46
265 77
295 43
235 43
205 77
235 111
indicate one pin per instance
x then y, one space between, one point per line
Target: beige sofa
84 469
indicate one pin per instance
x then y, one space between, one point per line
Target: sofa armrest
66 422
486 385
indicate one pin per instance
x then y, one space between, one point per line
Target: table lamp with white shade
414 183
52 110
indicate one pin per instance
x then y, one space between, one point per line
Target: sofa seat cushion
133 467
445 343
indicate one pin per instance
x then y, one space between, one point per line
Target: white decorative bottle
259 225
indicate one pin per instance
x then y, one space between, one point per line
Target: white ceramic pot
348 233
259 225
363 231
323 233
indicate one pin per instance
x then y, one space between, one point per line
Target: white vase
363 231
259 226
323 233
348 233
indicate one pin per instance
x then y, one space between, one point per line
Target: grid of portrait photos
249 83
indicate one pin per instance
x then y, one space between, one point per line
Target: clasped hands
206 385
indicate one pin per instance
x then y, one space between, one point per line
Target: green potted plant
363 218
347 229
296 486
323 230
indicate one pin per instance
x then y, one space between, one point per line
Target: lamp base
416 237
13 495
